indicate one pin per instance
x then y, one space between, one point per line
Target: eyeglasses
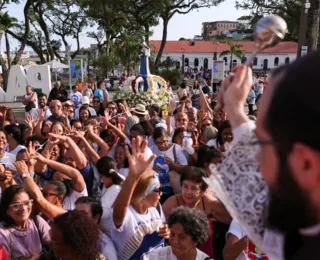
163 142
48 194
96 101
159 190
17 206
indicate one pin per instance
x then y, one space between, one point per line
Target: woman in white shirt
188 228
121 160
107 169
138 224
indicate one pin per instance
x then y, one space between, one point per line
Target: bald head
56 108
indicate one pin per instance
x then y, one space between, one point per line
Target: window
234 63
196 62
225 60
276 61
244 59
255 61
186 62
178 65
205 63
265 64
287 60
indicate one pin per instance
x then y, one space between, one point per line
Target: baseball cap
85 100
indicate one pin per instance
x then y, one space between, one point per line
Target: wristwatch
24 175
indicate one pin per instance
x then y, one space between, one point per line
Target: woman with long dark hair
112 180
20 234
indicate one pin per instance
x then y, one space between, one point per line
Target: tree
67 20
168 63
6 23
127 51
105 63
171 7
287 9
234 50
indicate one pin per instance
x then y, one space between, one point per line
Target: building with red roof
201 53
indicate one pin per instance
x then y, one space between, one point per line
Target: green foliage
172 75
168 63
234 50
287 9
105 63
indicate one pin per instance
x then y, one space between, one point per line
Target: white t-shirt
180 157
8 159
124 172
87 93
15 150
148 153
34 113
237 231
107 247
138 234
165 253
92 112
68 203
75 98
107 199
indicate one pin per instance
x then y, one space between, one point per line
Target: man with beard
42 108
288 156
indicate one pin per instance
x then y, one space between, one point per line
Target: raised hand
29 121
137 162
236 87
40 115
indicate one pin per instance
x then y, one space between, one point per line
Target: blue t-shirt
98 93
252 97
87 173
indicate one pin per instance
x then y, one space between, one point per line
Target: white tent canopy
56 65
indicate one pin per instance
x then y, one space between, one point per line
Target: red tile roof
210 47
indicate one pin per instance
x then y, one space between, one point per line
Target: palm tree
6 22
234 50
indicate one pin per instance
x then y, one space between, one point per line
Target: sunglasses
17 206
159 190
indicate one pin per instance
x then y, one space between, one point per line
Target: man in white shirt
42 107
75 96
85 102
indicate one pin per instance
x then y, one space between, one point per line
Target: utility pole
315 25
303 26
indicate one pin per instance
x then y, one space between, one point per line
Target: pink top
17 241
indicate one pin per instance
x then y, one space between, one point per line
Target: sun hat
139 109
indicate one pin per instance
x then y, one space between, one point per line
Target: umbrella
56 65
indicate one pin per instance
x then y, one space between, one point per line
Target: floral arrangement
146 98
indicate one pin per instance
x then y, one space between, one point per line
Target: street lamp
215 47
303 26
183 50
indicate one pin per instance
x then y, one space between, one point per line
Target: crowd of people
86 177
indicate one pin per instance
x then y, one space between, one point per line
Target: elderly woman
21 235
138 224
188 228
194 195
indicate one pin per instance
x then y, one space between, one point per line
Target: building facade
210 29
202 53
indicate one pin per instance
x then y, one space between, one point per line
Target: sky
186 26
